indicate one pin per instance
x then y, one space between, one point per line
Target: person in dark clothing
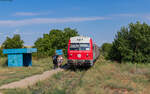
55 61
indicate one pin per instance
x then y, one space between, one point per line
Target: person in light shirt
60 60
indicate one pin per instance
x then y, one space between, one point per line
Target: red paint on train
85 55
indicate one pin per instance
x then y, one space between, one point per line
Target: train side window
93 47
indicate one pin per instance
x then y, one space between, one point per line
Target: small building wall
19 57
15 60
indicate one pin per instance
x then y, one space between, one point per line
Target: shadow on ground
75 68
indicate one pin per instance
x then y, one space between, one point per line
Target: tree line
46 45
131 44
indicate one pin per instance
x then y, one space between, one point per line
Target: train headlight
79 55
70 54
87 55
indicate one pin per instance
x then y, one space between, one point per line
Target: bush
132 44
1 53
56 39
10 43
105 49
14 42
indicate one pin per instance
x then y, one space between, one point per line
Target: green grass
110 77
9 74
60 83
105 77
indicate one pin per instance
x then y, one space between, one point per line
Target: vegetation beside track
11 74
105 77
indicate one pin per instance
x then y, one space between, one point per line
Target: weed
105 77
8 74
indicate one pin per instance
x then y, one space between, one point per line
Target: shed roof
24 50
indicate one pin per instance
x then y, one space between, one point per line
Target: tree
68 33
56 39
106 48
14 42
132 44
1 53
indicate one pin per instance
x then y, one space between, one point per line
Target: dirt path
30 80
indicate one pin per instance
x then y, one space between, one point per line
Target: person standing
54 57
60 60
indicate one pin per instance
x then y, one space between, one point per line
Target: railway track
77 82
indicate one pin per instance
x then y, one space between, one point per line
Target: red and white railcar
82 51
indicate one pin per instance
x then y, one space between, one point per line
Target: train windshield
79 46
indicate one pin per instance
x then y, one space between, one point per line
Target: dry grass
113 78
9 74
104 78
61 83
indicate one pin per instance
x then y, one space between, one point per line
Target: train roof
80 39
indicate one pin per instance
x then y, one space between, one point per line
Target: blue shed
19 57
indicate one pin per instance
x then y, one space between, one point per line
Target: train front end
80 51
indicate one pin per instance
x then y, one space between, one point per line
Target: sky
98 19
